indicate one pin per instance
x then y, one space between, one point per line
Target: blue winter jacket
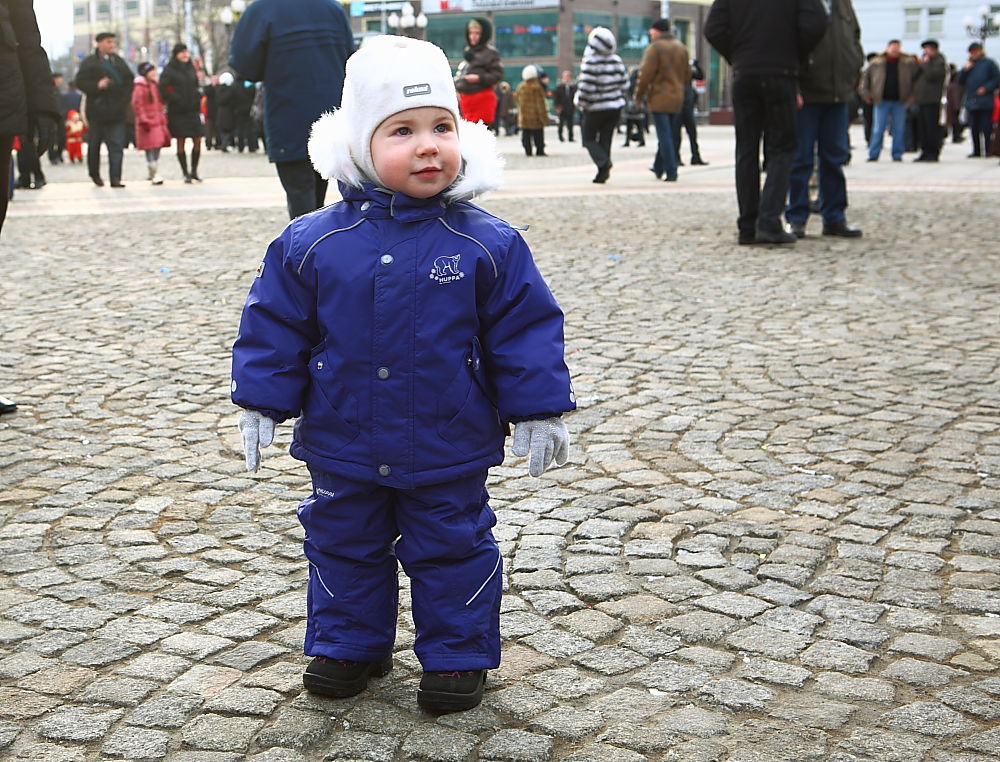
984 73
404 334
298 50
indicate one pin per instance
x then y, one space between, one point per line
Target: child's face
416 151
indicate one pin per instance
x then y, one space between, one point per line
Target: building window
79 13
935 21
162 6
103 10
633 36
526 35
583 23
911 21
448 33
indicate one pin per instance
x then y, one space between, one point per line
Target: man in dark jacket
888 84
827 81
298 50
979 77
106 80
28 101
764 42
927 93
562 98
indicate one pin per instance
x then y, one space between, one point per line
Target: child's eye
403 131
443 127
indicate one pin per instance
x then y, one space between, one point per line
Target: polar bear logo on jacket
446 269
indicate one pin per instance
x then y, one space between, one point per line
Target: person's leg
880 113
748 121
95 136
589 136
979 128
447 549
691 128
320 184
779 150
195 157
666 159
834 151
807 121
6 146
540 142
526 141
352 592
605 134
298 178
182 159
115 140
898 111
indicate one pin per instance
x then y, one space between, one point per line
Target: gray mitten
258 431
543 442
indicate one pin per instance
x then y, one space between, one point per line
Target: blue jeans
892 113
666 125
822 125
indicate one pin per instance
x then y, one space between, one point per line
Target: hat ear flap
482 166
330 149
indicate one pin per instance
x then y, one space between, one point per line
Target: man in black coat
562 98
106 80
827 82
764 42
28 103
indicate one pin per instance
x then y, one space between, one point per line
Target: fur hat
387 75
529 72
602 40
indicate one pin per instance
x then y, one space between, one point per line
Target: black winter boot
195 158
183 161
341 678
443 692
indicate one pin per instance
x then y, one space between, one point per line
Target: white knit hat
387 75
529 72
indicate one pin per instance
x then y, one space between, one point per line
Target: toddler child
404 328
75 129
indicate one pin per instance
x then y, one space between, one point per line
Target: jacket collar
375 202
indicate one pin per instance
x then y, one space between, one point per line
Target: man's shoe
117 185
777 236
7 406
698 162
659 175
671 179
921 157
897 158
603 173
973 156
442 692
98 182
841 229
341 678
873 158
747 239
798 229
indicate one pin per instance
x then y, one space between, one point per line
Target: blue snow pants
446 547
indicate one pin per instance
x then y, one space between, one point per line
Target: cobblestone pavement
778 536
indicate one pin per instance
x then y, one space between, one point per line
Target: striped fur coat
603 80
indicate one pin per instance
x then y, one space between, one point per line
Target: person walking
151 133
478 73
227 102
979 78
182 94
953 105
827 83
663 73
532 113
764 42
298 50
689 120
927 91
562 99
106 80
27 97
888 85
600 96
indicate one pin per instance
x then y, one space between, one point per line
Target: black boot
183 161
442 692
195 157
341 678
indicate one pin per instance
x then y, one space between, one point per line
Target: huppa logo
446 269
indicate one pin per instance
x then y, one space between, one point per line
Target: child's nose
427 144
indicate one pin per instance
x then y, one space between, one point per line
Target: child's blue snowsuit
403 334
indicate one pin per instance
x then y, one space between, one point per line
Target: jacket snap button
383 373
319 365
384 470
387 259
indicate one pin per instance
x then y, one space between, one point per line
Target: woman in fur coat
532 113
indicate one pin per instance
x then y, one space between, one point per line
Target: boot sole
442 702
328 686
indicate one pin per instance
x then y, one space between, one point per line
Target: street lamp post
405 22
228 16
987 25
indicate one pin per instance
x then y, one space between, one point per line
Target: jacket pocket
469 419
330 415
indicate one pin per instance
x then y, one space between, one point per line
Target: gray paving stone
359 745
214 732
928 718
164 711
438 744
829 654
137 743
917 672
77 724
292 728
